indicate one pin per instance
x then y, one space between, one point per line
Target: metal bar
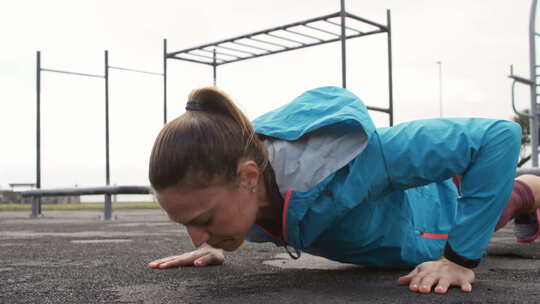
219 53
513 94
252 46
214 67
321 30
88 191
107 208
521 79
303 46
164 81
390 75
285 38
197 55
190 60
72 73
36 202
305 35
349 28
136 71
378 109
107 154
343 47
537 34
534 171
236 50
534 110
380 26
35 207
256 33
268 42
521 162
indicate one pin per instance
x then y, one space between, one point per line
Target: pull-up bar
36 205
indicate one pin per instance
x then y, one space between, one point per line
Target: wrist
451 255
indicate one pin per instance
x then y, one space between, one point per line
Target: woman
316 176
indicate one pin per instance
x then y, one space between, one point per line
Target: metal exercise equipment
289 37
298 35
533 83
38 193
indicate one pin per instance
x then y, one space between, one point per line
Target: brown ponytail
204 144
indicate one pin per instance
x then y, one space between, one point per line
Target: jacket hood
332 107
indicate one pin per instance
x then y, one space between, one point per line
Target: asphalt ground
75 257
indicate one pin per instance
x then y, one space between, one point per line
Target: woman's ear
248 173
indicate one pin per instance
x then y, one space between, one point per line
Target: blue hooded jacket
388 201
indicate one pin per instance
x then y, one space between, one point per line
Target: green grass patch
82 206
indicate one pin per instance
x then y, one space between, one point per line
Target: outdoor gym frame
533 84
279 39
107 190
298 35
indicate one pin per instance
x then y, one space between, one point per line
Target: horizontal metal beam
533 171
136 71
268 42
203 56
346 27
191 60
252 46
521 79
305 35
286 39
220 53
88 191
73 73
378 109
324 31
382 27
236 50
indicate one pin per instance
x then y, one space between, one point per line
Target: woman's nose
198 235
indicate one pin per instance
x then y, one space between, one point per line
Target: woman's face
218 215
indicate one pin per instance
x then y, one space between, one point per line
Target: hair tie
193 105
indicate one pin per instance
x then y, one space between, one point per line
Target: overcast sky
476 41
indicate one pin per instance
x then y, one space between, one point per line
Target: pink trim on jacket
284 216
439 236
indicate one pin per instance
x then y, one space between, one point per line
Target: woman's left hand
441 273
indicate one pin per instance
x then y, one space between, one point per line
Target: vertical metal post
108 205
533 122
440 89
214 67
164 81
36 202
343 47
390 77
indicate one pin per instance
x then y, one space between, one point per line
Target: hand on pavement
440 274
203 256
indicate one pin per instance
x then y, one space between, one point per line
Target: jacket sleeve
483 151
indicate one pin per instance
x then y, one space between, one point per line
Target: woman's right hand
203 256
